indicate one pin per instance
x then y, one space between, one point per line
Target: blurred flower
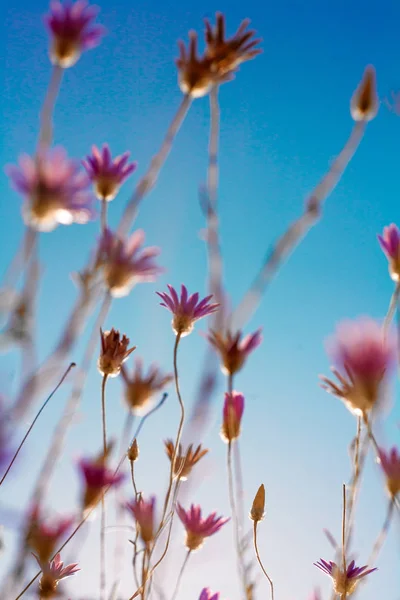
344 582
114 351
233 350
43 537
227 54
72 31
258 508
143 511
54 572
206 594
133 451
106 173
184 462
390 244
186 310
96 478
125 263
197 529
54 189
390 463
140 388
364 102
232 416
194 74
364 357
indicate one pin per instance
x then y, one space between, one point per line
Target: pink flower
72 30
198 528
97 478
344 582
186 310
54 572
364 358
143 511
206 594
114 352
390 463
43 537
234 350
232 416
125 263
54 189
140 387
390 244
106 173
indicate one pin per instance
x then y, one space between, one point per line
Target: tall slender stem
344 530
150 177
391 310
46 115
260 561
232 503
383 533
144 573
45 403
103 504
103 215
178 582
358 466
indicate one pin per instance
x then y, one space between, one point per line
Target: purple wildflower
186 309
125 263
72 30
107 174
140 387
54 189
390 463
97 477
232 416
198 528
364 357
234 350
344 582
143 511
206 594
44 536
53 572
390 244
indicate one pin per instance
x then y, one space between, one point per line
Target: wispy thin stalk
383 533
344 530
297 230
271 585
46 115
103 216
45 403
178 582
103 504
235 521
149 179
391 310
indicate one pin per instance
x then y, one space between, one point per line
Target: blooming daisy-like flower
114 351
125 263
96 478
144 513
106 173
184 461
186 309
206 594
55 191
54 572
365 102
390 244
227 54
44 536
140 387
234 350
232 416
72 30
390 463
364 358
344 582
197 528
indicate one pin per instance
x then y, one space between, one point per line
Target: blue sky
284 119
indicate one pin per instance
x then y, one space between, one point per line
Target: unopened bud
258 508
364 103
133 451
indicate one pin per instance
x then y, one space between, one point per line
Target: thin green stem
45 403
260 561
178 582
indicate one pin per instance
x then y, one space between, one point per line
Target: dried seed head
258 509
133 451
184 462
194 73
365 103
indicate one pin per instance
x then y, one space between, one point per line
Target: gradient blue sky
283 120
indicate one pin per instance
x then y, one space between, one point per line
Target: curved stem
178 582
259 560
391 310
46 115
133 479
103 505
35 419
150 177
359 460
